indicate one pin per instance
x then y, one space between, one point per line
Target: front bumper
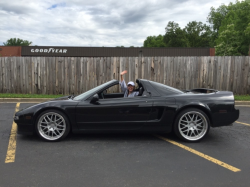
25 129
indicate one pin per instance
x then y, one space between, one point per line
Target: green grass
8 95
242 97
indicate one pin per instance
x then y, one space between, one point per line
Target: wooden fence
67 75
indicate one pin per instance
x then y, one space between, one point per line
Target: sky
96 23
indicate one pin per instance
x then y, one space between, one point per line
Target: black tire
191 125
52 125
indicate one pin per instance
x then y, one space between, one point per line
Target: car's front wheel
52 125
191 125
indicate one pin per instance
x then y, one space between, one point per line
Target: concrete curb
39 100
242 102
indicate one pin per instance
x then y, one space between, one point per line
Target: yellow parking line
11 152
223 164
243 123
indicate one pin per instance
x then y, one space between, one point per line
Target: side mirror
95 98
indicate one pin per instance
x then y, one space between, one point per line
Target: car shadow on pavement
212 137
102 137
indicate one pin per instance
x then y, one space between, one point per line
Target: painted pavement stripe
243 123
11 151
218 162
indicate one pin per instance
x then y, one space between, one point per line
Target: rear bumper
225 119
25 129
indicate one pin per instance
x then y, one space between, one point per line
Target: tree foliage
17 42
175 36
215 17
195 34
228 32
198 34
238 19
154 41
229 42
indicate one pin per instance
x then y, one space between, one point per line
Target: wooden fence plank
171 71
145 68
136 67
168 71
231 77
236 62
12 72
17 75
245 75
182 74
210 72
239 75
140 67
34 75
23 75
225 71
1 76
187 74
133 69
248 78
85 60
152 69
108 71
195 72
218 76
7 63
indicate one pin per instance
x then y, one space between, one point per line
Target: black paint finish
154 111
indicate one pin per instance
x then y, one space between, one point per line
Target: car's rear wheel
52 125
191 125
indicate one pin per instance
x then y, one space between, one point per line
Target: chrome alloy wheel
51 126
193 125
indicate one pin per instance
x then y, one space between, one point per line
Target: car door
114 114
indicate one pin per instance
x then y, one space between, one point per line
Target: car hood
57 102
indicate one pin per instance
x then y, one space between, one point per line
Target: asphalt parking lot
221 159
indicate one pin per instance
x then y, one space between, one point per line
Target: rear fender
203 107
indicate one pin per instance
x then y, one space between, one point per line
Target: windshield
90 92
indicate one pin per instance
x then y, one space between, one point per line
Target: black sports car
157 109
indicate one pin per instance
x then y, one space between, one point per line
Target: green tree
154 41
175 36
198 34
228 42
17 42
247 31
237 18
215 17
